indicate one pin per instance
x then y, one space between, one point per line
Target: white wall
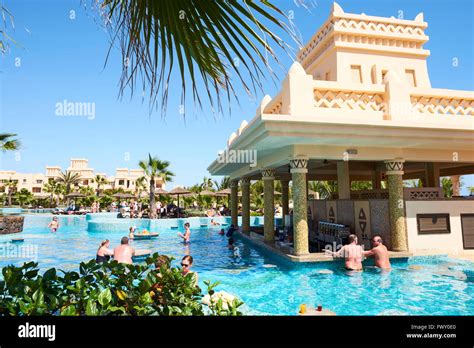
449 242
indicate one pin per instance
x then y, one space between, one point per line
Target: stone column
234 201
285 199
245 186
268 177
455 180
343 181
300 205
396 204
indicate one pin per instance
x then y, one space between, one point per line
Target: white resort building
124 178
358 105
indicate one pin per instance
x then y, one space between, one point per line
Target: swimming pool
266 283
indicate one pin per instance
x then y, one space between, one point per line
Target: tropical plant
54 188
213 41
413 183
154 169
361 185
223 184
7 143
24 197
324 188
11 185
109 288
69 179
207 184
447 186
100 181
140 186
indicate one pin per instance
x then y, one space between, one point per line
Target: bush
109 288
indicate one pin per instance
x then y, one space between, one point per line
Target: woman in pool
187 263
104 253
187 234
131 233
54 224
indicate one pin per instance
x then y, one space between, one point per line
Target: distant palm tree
447 186
11 185
23 197
225 183
216 41
68 179
53 188
154 169
207 184
324 188
100 181
7 143
140 186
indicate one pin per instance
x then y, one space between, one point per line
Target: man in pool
230 231
379 252
352 252
124 252
54 224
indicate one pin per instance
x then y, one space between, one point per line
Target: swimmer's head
352 238
187 224
124 240
376 240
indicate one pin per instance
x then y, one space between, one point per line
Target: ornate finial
231 138
419 17
242 126
296 69
336 9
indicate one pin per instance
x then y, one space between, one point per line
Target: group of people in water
353 253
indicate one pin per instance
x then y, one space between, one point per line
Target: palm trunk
51 201
152 199
9 198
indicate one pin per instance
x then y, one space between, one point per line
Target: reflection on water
269 285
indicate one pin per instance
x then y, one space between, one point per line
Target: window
85 182
433 223
36 189
356 73
24 181
411 77
121 182
467 226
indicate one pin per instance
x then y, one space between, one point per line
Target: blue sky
63 58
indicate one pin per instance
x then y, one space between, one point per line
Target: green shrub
109 288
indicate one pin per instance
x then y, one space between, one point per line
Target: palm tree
24 197
207 184
7 143
140 185
53 188
100 181
324 188
11 186
208 40
225 183
447 186
154 169
68 179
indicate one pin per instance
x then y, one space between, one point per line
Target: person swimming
54 224
234 248
104 253
379 253
352 253
187 234
221 232
131 234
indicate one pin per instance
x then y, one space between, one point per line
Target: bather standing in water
187 234
352 252
379 252
104 253
54 224
124 252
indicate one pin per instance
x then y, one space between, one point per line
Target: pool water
266 283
